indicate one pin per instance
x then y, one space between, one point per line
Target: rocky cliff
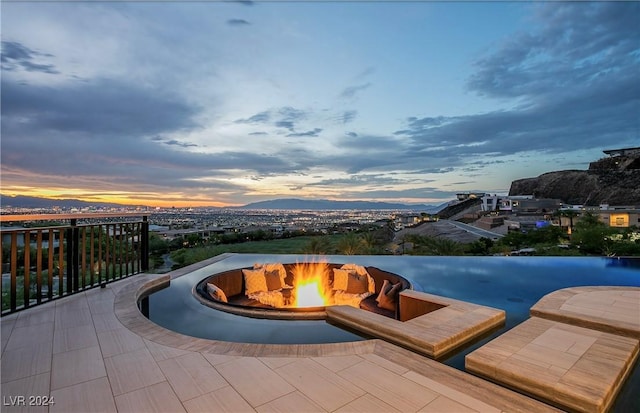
614 180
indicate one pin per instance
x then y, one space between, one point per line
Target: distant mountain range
289 203
21 201
325 204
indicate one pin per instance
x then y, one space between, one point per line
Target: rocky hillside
613 180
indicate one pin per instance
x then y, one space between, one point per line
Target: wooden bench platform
614 310
571 367
429 324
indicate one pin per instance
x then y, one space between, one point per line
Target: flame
311 285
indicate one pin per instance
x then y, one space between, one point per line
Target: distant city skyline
229 103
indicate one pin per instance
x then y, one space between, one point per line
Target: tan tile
87 397
11 317
67 317
292 402
101 306
119 341
31 334
38 315
76 366
453 394
74 301
99 294
326 388
254 381
382 362
74 338
275 362
26 361
338 363
222 400
6 326
522 371
106 321
160 352
216 359
445 405
100 303
537 354
556 339
15 394
157 398
191 375
367 404
132 370
393 389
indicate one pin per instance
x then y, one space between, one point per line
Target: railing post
73 241
69 237
14 270
145 244
76 256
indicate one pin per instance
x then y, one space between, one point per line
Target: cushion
344 298
272 270
254 281
270 298
357 283
216 292
388 296
340 277
274 280
360 270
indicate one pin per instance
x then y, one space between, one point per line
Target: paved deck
438 326
95 352
579 361
612 309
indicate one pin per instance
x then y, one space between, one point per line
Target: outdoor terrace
94 351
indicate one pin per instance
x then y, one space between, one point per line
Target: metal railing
54 255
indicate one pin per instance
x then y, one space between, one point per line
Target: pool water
513 284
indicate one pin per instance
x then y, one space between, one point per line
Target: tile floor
78 352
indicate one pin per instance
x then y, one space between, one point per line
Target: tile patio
94 352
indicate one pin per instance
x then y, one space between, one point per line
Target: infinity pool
513 284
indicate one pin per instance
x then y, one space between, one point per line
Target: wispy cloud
346 116
174 142
312 133
238 22
15 55
351 91
261 117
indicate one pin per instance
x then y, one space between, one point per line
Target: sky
227 103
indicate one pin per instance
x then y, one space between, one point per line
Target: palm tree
369 242
350 244
569 213
318 246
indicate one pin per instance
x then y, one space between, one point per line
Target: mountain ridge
23 201
613 180
326 204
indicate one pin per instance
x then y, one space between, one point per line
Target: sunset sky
211 103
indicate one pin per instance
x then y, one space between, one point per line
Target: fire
311 285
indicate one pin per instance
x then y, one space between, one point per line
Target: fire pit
297 290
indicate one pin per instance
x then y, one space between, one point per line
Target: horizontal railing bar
54 217
59 227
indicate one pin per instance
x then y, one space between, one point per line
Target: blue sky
214 103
